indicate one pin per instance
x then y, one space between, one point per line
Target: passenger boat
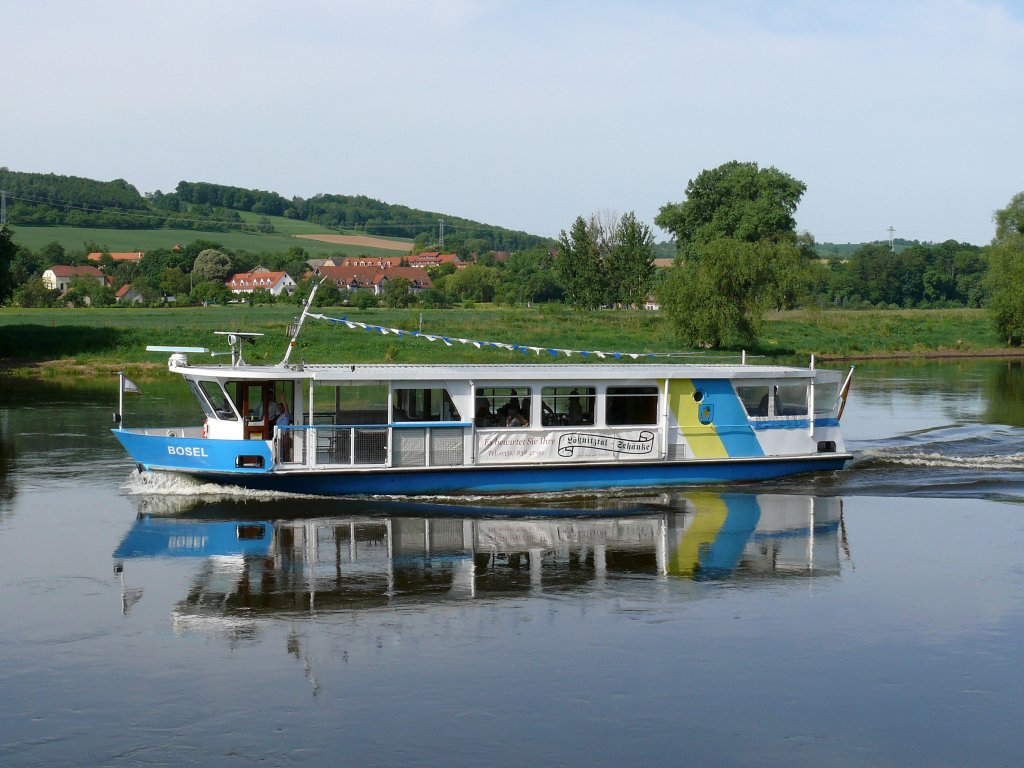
396 429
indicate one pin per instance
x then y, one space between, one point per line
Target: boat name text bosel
178 450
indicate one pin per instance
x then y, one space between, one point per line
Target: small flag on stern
130 386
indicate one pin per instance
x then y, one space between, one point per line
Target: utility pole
892 247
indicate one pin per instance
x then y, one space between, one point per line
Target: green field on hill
278 241
89 337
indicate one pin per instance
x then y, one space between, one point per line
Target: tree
719 297
735 200
7 252
362 298
579 266
1010 220
1006 282
629 264
34 293
398 293
212 265
737 253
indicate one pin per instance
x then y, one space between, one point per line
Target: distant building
128 295
374 278
262 279
59 277
435 259
135 256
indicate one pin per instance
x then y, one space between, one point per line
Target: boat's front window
754 399
214 400
790 400
568 406
631 405
424 405
826 397
502 407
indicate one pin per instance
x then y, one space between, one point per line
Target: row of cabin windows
564 406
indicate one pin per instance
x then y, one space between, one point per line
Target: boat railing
412 444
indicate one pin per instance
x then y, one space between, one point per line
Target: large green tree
212 265
580 267
720 298
1006 271
7 252
737 253
629 264
735 200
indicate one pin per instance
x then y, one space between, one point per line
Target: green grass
74 238
119 336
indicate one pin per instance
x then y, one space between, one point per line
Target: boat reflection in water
290 567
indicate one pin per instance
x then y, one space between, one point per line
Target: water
870 617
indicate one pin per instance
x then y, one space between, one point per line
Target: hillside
43 207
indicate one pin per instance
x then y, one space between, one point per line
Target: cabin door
258 404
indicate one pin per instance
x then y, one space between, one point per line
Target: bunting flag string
526 349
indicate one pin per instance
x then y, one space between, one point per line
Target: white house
59 277
262 279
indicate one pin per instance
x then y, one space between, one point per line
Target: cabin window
631 405
755 399
790 400
502 407
825 398
360 404
568 406
423 405
216 399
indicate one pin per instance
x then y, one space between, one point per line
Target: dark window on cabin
355 404
423 405
568 406
502 407
755 399
218 399
790 400
631 405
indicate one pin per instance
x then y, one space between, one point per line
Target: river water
868 617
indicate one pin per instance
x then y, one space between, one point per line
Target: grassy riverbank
62 341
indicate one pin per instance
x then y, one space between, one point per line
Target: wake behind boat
472 428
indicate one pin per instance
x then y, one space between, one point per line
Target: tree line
36 199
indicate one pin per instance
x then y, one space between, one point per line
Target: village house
261 279
374 278
59 277
128 295
435 259
135 256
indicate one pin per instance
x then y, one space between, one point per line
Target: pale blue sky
527 114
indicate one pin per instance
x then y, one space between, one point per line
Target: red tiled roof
61 270
131 256
123 290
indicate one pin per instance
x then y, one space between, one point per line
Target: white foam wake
1013 461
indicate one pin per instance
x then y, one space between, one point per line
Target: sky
528 114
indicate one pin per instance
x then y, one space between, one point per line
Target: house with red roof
128 295
435 259
135 256
352 278
261 279
59 276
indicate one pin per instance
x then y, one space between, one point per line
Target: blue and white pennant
524 348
